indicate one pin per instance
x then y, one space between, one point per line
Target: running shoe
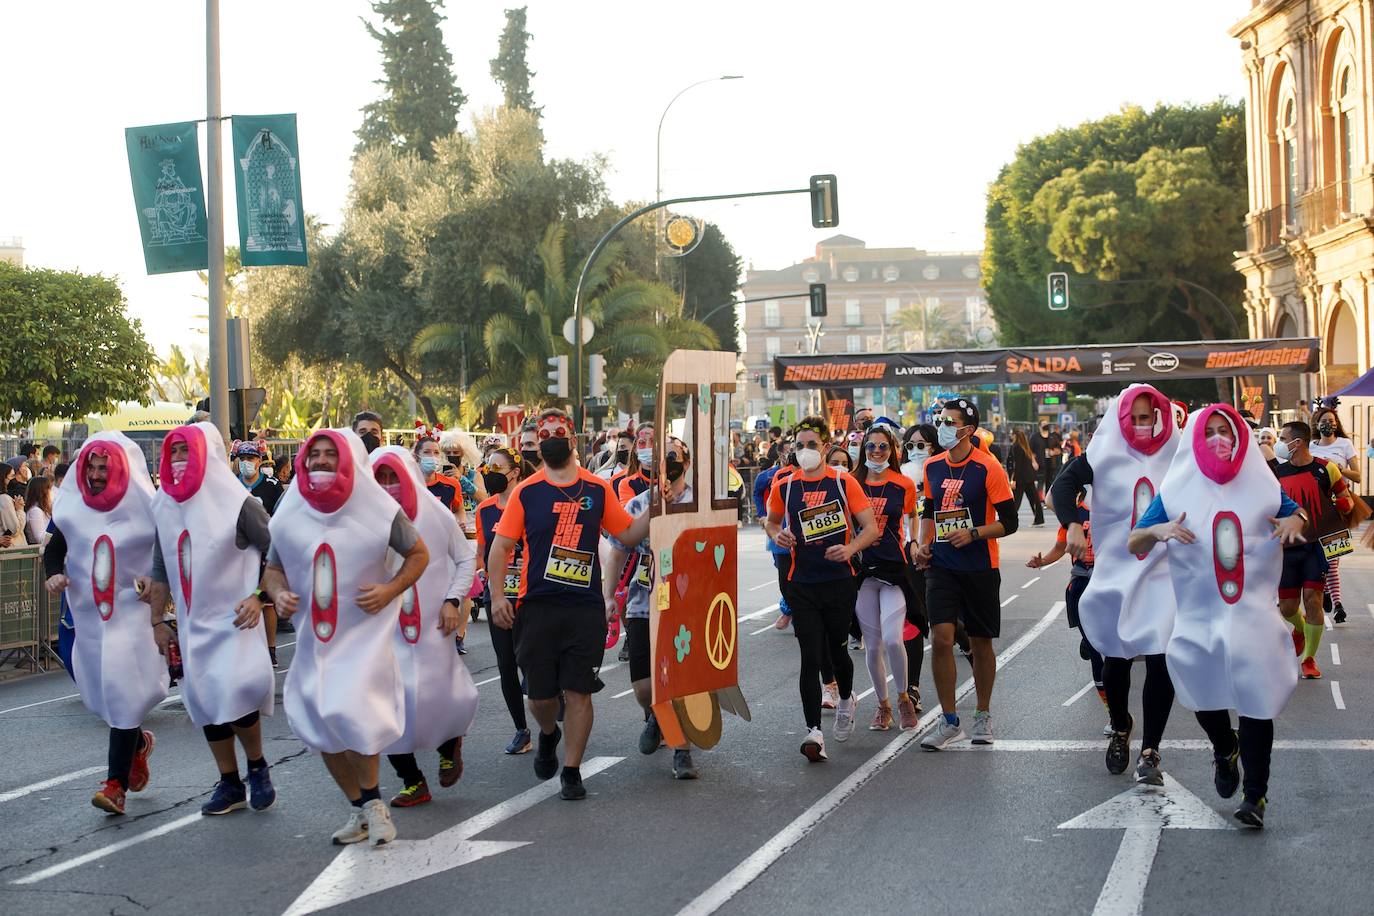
856 644
1338 613
1251 813
914 693
572 790
380 828
139 773
961 640
1226 769
1107 729
520 744
412 796
942 735
458 644
882 719
272 653
227 797
1299 641
354 829
1119 750
624 655
683 768
451 768
813 746
844 717
546 758
1310 671
650 737
830 695
982 727
284 625
261 794
907 711
1147 768
783 622
110 798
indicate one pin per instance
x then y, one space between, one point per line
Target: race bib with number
511 586
819 522
1337 544
568 566
642 576
950 521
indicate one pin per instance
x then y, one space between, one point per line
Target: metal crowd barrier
24 625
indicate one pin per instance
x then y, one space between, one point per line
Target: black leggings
821 612
1256 747
226 731
503 642
124 743
783 564
1031 492
1157 696
409 771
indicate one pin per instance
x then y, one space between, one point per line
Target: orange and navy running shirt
627 488
819 513
892 497
962 496
1062 538
488 516
558 529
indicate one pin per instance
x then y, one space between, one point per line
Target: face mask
321 480
865 424
808 459
876 467
645 456
949 436
1144 433
371 442
495 482
622 456
673 469
1282 451
429 465
269 472
1220 446
532 456
853 451
393 490
1326 430
556 451
178 471
247 470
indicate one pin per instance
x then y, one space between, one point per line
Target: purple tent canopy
1362 387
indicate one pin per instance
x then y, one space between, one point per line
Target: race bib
568 566
950 521
819 522
511 586
642 577
1337 544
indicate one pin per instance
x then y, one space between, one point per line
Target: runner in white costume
211 537
1229 650
440 697
344 695
103 542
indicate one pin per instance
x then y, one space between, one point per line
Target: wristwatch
974 532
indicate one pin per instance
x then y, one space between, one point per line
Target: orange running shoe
411 796
1299 641
1310 671
110 798
138 773
882 720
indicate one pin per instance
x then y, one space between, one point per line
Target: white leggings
881 609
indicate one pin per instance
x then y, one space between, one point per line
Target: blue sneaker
458 643
520 744
262 794
226 798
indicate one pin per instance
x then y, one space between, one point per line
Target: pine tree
509 67
422 98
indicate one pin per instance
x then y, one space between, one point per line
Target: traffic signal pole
214 212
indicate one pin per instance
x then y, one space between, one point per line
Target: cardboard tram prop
693 623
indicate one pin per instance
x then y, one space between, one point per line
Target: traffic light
558 376
825 202
1058 291
817 292
596 364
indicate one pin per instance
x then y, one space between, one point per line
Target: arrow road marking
1144 812
361 870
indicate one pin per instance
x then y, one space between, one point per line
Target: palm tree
937 332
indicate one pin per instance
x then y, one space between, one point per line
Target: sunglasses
916 445
557 432
946 421
493 469
875 446
814 446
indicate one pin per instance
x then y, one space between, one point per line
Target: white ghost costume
1128 606
440 696
115 661
344 690
1229 649
228 671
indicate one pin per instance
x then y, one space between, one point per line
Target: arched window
1344 105
1288 140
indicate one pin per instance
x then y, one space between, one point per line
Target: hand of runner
450 616
373 598
143 588
287 602
1076 543
1289 530
502 614
611 608
56 584
785 538
1036 561
1167 531
247 614
163 636
921 556
960 538
838 553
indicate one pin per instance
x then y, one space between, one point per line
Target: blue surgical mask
645 455
1282 451
247 470
429 465
948 436
853 451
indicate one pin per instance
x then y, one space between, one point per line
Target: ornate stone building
1309 258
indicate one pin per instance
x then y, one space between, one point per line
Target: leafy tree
70 348
422 98
1142 208
936 330
177 378
509 67
709 276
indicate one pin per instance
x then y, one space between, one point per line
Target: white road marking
1079 695
1329 625
69 696
96 854
1145 812
742 875
1336 694
1011 599
764 584
1168 744
762 630
759 613
1371 609
49 783
616 696
870 691
1031 582
488 681
1335 654
360 871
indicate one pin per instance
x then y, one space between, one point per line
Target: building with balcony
1309 258
12 250
878 299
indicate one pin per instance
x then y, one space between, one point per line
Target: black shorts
559 646
822 606
637 641
974 597
1304 569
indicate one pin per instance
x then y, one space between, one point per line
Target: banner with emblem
164 166
267 183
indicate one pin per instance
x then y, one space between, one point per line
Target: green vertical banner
267 182
164 164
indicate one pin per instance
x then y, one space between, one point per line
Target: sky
912 104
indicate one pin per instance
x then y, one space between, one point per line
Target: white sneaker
942 735
844 717
380 828
982 728
355 831
813 747
1107 729
830 695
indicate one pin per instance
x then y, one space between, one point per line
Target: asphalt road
881 825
